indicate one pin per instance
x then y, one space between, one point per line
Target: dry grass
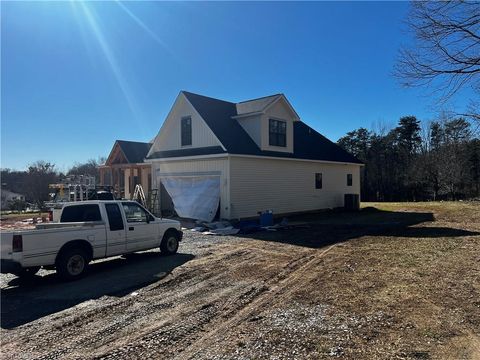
398 281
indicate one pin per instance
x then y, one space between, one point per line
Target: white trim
228 155
188 174
186 146
163 124
200 116
294 159
181 93
253 113
185 158
229 190
281 148
282 96
103 166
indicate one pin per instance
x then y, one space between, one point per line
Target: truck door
116 233
142 233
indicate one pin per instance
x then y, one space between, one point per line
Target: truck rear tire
72 264
27 273
169 244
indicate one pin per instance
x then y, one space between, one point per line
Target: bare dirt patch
400 281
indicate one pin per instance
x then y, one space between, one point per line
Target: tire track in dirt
66 324
278 293
164 339
107 326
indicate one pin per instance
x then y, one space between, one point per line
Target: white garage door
194 197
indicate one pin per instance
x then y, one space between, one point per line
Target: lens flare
110 57
144 26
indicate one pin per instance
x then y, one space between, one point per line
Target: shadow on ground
26 301
322 229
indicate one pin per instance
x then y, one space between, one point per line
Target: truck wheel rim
75 265
171 244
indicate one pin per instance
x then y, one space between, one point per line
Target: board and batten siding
169 136
197 167
286 186
278 111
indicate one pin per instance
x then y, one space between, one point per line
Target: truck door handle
131 228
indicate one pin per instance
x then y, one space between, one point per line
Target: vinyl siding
197 167
286 186
252 125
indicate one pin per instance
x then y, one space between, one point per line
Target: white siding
197 167
252 125
286 186
169 137
278 111
281 110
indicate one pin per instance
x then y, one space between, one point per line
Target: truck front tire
72 264
169 244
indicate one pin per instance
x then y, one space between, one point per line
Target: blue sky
76 76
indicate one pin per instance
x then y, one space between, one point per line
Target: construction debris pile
225 227
25 224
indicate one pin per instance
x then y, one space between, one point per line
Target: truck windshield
80 213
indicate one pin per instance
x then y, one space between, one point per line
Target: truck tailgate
6 245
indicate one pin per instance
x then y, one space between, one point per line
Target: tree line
440 160
34 182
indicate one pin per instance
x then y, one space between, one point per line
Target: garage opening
194 197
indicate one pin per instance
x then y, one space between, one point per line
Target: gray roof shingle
134 151
308 143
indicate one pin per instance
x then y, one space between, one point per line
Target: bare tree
446 51
90 167
39 175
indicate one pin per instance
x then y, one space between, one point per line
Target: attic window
186 130
277 131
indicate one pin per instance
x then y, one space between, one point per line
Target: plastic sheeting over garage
194 197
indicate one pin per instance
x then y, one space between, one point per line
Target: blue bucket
266 218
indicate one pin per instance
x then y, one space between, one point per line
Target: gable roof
256 105
218 114
134 151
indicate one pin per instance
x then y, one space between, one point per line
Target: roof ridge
207 97
137 142
259 98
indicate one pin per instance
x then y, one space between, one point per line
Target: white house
233 160
7 197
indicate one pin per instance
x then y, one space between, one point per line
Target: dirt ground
398 282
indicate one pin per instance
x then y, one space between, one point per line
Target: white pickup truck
87 230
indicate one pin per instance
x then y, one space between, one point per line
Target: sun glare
89 22
140 23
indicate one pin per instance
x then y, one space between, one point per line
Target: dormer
269 122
